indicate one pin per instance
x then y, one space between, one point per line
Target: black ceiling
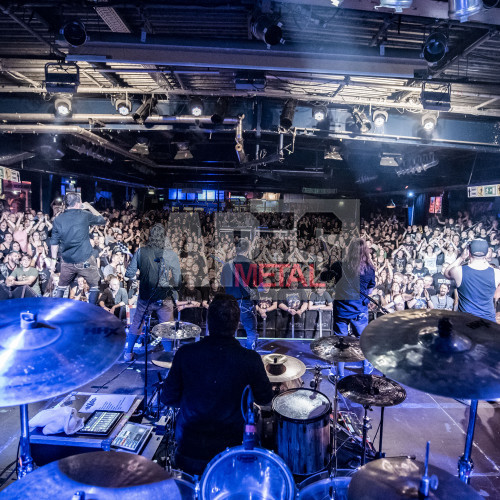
351 58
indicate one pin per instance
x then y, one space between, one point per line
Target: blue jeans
358 324
165 312
248 321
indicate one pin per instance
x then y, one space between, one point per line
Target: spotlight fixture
144 110
435 48
74 33
220 111
62 107
319 113
267 29
462 9
62 78
141 146
123 106
336 3
391 205
196 107
240 146
183 152
287 114
362 122
417 164
333 153
397 5
429 122
379 118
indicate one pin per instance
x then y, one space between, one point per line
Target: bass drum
303 430
322 487
237 473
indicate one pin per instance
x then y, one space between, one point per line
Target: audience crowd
409 260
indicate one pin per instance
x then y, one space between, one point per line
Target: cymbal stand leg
293 326
264 326
465 463
147 324
25 465
320 319
366 426
333 461
379 453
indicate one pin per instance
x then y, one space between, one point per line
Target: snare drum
303 429
239 473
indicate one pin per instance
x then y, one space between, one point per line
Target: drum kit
42 340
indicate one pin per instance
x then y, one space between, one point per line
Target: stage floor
421 417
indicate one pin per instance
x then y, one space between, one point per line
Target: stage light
429 122
265 28
196 107
220 111
183 152
391 205
62 107
397 5
123 106
62 78
362 122
435 48
462 9
380 118
287 114
319 113
144 110
74 33
337 3
411 194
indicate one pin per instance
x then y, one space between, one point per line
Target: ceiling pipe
107 118
85 135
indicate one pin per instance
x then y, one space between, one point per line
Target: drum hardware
49 329
316 381
264 326
293 327
443 342
320 319
368 391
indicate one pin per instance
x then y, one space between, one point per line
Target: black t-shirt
208 293
400 264
265 299
440 279
293 299
323 299
71 233
420 273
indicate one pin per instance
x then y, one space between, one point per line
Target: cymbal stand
465 463
264 326
333 462
147 324
366 427
320 319
293 326
379 453
25 465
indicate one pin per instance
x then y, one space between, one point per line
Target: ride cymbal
106 475
371 390
337 348
399 478
52 346
451 354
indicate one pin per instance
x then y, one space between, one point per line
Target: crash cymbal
104 475
452 354
337 349
58 346
281 368
371 390
399 478
184 330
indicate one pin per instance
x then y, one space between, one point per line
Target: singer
206 382
70 234
159 273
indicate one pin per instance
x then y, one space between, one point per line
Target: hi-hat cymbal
69 344
101 474
371 390
399 478
176 330
337 349
452 354
281 368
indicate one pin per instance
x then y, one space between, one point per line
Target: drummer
206 382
